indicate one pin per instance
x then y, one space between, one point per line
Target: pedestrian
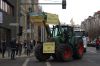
13 48
34 42
25 46
85 43
31 46
3 47
97 43
28 48
8 48
19 48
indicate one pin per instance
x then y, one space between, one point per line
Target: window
1 4
7 7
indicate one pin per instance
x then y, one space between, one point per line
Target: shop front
5 35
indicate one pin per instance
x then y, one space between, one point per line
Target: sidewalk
22 55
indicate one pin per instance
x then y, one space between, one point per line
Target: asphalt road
91 58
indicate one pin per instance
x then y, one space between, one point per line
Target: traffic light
63 4
20 31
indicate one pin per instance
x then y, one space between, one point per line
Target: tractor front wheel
39 53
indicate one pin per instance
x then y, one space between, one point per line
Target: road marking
26 62
48 64
92 51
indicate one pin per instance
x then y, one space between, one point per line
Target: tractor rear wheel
79 51
64 53
39 53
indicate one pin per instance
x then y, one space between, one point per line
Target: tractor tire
39 53
78 54
64 53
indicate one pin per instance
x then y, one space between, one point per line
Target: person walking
97 43
13 48
28 48
3 47
25 46
19 49
85 42
8 48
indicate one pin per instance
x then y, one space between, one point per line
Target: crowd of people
14 48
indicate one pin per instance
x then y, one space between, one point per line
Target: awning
52 19
35 17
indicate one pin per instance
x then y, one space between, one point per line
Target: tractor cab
62 32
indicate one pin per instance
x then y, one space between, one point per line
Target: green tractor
62 45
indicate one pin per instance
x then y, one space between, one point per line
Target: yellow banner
36 18
52 19
49 47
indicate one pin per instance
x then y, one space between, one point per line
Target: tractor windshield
56 31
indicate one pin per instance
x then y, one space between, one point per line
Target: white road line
26 62
48 64
92 51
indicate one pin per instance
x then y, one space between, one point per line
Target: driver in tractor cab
66 36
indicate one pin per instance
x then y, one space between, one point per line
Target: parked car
92 43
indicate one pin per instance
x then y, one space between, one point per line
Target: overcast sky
76 9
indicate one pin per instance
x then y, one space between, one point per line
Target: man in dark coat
13 48
3 47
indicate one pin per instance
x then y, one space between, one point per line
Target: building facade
92 25
24 19
8 19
